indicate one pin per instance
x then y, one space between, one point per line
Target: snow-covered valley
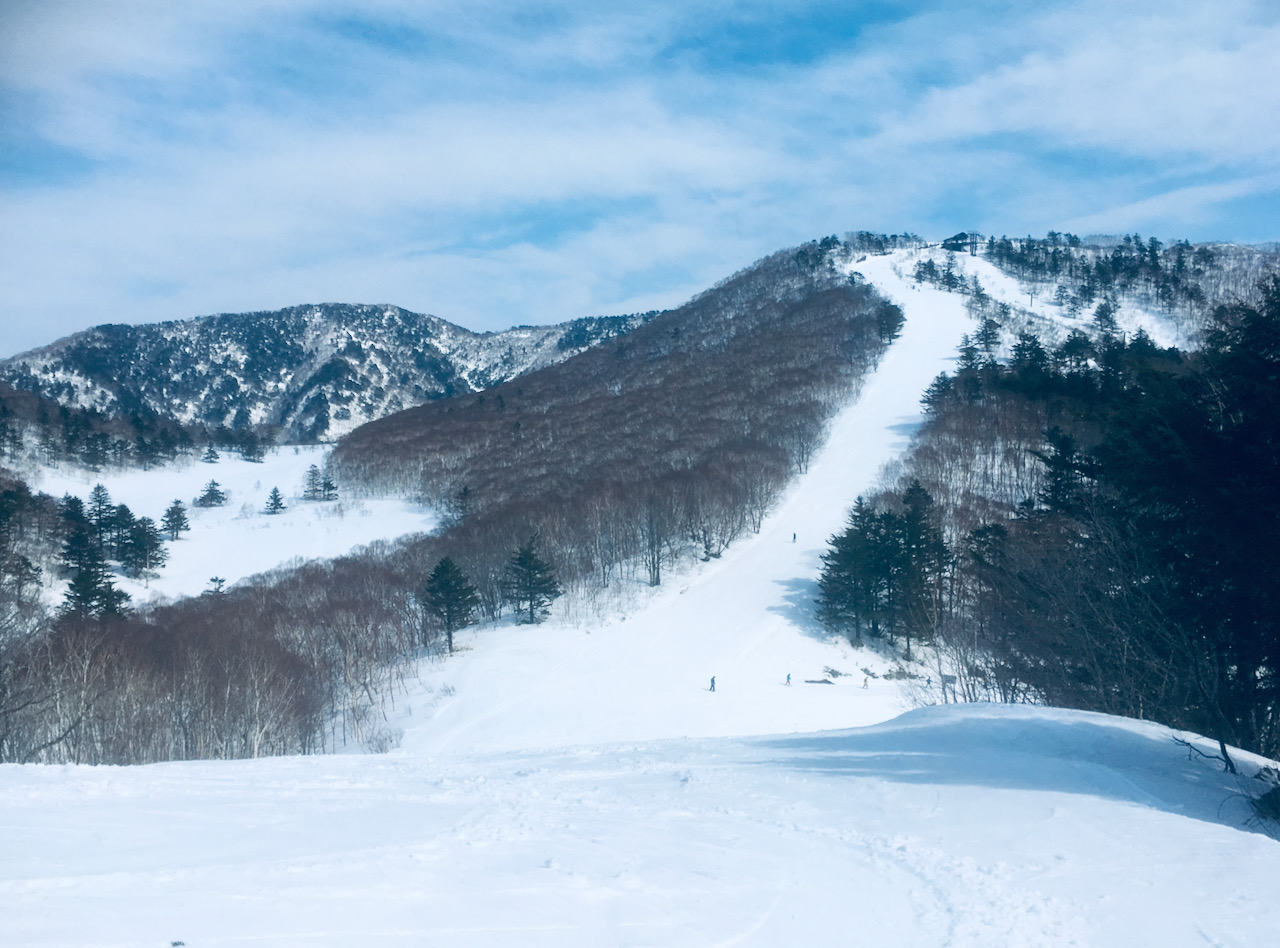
578 783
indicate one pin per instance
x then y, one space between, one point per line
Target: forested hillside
1183 280
659 446
37 429
668 442
1091 524
1085 518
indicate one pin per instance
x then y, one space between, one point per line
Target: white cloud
1190 82
495 164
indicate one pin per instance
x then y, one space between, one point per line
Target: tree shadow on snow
1018 749
799 607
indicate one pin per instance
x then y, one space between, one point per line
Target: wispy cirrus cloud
498 163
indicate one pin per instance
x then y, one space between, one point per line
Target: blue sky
506 163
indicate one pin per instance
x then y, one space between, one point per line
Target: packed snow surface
971 826
578 784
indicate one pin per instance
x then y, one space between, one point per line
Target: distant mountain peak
313 371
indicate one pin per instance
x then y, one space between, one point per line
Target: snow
746 618
239 539
1040 314
969 826
575 784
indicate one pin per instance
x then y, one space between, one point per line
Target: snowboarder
788 679
864 682
713 682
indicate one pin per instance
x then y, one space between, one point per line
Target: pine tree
101 512
860 574
315 484
122 523
251 448
988 337
926 562
90 592
144 551
275 502
79 536
210 455
213 496
450 597
1104 318
529 584
328 489
175 520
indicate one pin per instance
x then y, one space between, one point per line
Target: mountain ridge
312 371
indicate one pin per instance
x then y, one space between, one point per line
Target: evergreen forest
1090 525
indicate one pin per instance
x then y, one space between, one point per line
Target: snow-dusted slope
576 785
317 371
240 538
1038 313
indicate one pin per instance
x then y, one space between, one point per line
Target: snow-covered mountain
579 784
315 371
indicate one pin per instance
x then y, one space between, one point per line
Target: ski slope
746 618
576 784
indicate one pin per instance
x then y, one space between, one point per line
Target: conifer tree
210 455
450 597
213 496
251 448
315 484
925 564
529 583
175 520
144 551
90 593
121 529
275 502
101 512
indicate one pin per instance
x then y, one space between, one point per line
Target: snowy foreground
949 826
577 784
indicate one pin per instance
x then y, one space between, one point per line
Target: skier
793 538
713 682
864 682
788 679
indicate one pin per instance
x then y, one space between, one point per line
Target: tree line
1090 525
1182 279
301 660
35 428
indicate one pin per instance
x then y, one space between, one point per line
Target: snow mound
966 826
